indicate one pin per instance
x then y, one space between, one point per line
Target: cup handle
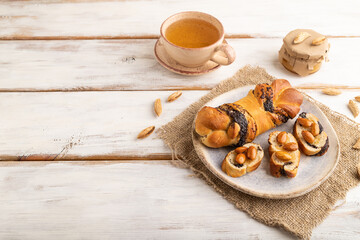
228 51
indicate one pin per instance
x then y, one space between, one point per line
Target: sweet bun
234 166
312 139
265 107
284 154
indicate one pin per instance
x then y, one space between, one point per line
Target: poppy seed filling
240 119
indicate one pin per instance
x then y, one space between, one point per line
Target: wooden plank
41 19
103 65
97 200
96 125
84 125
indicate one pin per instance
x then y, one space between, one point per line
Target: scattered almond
354 108
251 153
315 129
357 98
283 155
304 122
357 144
240 158
301 37
320 59
146 132
158 107
174 96
291 146
358 168
233 130
240 149
318 41
282 137
308 136
331 91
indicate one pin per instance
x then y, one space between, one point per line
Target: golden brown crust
274 168
209 119
265 107
229 167
290 100
233 169
321 145
279 167
277 170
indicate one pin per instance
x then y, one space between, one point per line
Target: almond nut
308 136
331 91
240 149
354 108
233 130
291 146
282 137
240 158
174 96
357 144
358 168
315 129
158 107
283 155
301 37
251 153
318 41
146 132
357 98
304 122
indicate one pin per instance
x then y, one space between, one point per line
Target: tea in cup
193 38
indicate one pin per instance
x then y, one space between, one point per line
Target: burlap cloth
297 215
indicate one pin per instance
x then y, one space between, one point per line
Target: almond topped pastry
265 107
284 154
309 133
243 160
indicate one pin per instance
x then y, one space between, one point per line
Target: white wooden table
78 80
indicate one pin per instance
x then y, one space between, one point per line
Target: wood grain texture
84 125
136 200
97 125
72 19
106 65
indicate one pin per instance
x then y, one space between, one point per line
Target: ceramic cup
195 57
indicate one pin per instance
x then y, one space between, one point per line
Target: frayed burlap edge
295 215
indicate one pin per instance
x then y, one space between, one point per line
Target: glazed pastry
284 154
243 160
265 107
303 51
312 139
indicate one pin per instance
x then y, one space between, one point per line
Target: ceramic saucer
167 62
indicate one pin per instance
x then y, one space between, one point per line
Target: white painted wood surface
258 18
98 125
136 199
133 200
131 65
84 124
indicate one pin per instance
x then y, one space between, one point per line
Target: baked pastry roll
242 160
284 154
265 107
312 139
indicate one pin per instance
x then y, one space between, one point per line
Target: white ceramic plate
312 170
